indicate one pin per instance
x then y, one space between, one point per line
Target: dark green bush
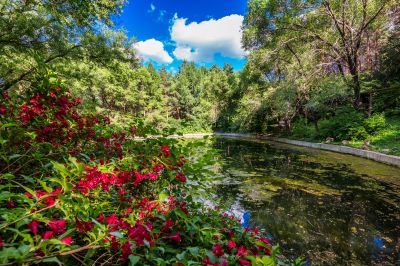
303 130
340 124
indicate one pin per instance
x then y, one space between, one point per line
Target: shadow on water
331 208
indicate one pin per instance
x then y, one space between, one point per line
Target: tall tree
34 33
335 30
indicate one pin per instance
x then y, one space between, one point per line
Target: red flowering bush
74 189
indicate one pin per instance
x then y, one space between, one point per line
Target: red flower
28 195
168 224
11 204
40 193
176 237
218 250
1 242
126 249
6 96
152 176
181 177
48 235
255 251
49 201
139 233
165 150
114 243
244 262
58 226
101 218
39 253
263 239
112 219
242 252
67 240
231 244
158 167
33 225
3 109
83 226
207 261
128 211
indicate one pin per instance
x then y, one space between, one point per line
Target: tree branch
8 84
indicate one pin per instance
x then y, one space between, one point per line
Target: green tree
47 33
335 31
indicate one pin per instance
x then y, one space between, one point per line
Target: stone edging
372 155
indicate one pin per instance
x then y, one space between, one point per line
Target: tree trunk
316 127
357 91
370 104
353 68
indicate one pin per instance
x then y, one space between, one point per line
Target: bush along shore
76 190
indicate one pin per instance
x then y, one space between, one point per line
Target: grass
387 140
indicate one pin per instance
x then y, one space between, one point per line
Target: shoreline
371 155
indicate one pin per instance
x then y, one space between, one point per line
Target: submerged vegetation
331 208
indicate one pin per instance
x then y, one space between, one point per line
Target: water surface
331 208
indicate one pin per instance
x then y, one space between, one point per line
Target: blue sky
170 31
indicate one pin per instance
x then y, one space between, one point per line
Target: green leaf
8 125
300 261
163 196
194 251
54 259
181 214
133 260
268 261
181 256
33 193
211 256
14 156
65 234
117 234
61 169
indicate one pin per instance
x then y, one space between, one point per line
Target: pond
330 208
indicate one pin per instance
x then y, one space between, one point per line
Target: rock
345 142
329 140
366 145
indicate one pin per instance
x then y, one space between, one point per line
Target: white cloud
153 49
199 42
161 15
152 8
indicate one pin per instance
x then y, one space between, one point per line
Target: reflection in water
332 209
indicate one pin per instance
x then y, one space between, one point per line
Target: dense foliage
76 189
78 186
308 61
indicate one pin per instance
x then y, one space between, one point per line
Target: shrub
302 130
358 133
75 189
375 123
340 124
